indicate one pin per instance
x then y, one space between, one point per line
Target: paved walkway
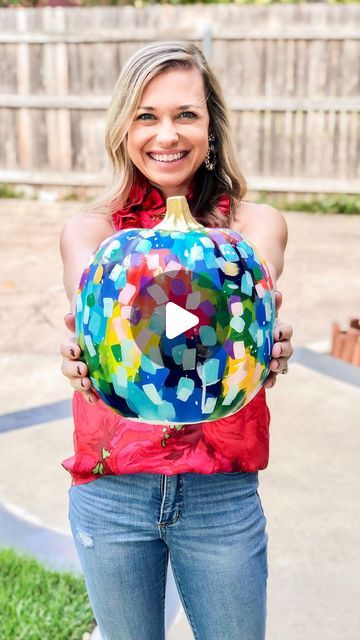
311 487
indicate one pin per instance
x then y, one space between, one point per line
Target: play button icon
178 320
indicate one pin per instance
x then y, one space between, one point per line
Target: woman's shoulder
250 215
266 227
85 226
80 237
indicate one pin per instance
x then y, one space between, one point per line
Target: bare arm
80 236
266 227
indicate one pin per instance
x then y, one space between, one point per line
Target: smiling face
168 137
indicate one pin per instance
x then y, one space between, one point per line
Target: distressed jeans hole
85 539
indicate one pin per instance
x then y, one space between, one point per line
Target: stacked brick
346 344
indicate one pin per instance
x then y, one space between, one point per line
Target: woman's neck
168 192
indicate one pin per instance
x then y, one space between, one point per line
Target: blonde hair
135 75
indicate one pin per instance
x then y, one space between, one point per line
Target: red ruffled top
106 443
146 206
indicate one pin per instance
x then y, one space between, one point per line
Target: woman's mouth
167 158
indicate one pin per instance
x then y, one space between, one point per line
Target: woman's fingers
278 365
70 349
281 352
77 372
84 385
282 349
72 367
283 331
76 369
91 397
69 320
80 384
270 380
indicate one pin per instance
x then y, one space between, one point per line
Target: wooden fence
291 76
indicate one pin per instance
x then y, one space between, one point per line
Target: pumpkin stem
178 216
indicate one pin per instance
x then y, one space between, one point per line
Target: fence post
207 41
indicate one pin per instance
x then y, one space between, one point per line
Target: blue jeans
213 528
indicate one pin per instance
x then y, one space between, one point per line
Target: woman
139 496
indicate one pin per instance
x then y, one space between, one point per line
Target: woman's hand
77 371
72 367
282 349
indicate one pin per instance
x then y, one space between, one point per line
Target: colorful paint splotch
205 373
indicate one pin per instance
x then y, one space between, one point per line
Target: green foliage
333 203
9 192
38 604
22 3
70 197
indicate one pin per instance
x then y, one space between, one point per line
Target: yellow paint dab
98 274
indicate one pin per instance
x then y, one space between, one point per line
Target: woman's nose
167 133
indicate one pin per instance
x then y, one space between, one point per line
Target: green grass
337 203
38 604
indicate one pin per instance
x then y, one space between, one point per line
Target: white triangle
178 320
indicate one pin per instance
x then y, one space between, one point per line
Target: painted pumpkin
176 322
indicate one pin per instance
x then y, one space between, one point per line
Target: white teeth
170 158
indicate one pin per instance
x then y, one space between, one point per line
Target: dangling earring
210 159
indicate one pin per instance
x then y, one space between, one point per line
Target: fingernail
72 353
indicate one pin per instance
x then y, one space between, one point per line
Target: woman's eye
142 116
188 114
150 116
